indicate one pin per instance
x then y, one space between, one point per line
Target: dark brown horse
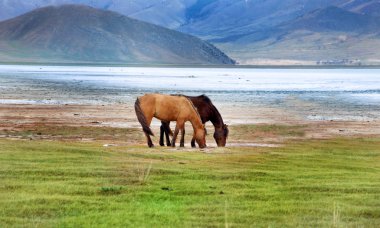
208 112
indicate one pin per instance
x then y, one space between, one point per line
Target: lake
348 94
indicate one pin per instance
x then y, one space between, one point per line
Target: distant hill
209 19
330 35
76 33
256 31
167 13
335 19
366 7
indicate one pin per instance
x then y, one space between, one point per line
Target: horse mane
212 107
192 105
188 99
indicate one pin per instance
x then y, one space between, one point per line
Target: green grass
315 183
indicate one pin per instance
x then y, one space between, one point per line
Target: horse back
165 107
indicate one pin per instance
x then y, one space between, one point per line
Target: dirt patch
117 123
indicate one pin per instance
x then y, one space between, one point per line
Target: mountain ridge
336 19
245 29
82 33
330 35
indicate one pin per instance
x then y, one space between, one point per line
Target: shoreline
237 66
115 122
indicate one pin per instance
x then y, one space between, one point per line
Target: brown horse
169 108
208 112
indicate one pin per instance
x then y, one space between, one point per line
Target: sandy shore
17 117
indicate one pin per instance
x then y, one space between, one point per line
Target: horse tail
141 117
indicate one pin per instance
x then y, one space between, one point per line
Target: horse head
221 135
200 137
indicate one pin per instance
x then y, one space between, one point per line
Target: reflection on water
332 93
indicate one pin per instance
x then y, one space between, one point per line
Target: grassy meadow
302 183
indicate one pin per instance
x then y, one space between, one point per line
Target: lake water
352 93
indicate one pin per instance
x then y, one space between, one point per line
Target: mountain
85 34
167 13
329 35
204 18
367 7
211 19
335 19
254 30
223 18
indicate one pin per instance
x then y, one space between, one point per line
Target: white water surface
204 79
314 94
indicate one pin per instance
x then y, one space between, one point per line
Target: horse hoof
182 145
168 144
151 145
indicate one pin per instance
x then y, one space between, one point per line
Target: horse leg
182 142
176 131
162 132
167 132
166 129
178 127
193 142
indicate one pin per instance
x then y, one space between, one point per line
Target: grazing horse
208 112
169 108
